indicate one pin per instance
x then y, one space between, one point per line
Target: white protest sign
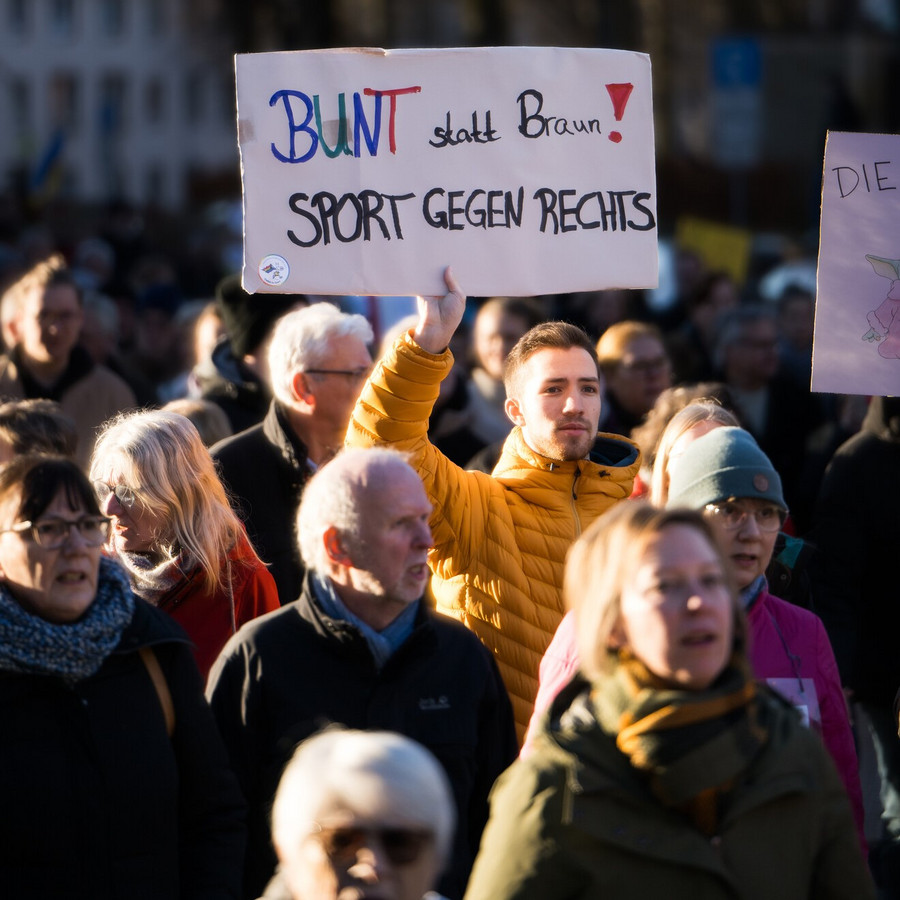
857 337
529 170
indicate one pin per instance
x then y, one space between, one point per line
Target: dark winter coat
265 471
857 525
575 821
226 381
287 674
99 802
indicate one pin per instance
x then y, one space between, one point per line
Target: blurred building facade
135 98
103 99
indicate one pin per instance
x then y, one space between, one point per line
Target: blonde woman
696 419
666 771
648 434
174 532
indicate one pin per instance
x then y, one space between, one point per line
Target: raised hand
439 317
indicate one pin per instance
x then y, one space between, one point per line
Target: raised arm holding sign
500 540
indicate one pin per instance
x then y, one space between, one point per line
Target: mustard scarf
692 746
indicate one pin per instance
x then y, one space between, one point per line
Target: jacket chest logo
432 704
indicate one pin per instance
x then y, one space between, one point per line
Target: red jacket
211 618
789 650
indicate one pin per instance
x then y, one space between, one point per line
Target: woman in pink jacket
725 475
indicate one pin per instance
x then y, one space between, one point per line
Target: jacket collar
278 432
610 451
612 464
571 739
570 731
80 364
343 632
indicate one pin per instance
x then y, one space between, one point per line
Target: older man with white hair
364 812
318 361
360 647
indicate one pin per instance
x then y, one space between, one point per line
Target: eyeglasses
354 374
48 319
671 591
401 845
124 494
644 368
51 534
731 516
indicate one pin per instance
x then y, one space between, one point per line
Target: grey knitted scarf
31 645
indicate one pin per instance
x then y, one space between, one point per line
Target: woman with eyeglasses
722 473
360 814
664 769
727 477
113 779
174 531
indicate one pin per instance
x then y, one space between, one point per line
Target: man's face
390 553
384 853
50 323
798 318
752 360
495 334
557 402
336 393
641 376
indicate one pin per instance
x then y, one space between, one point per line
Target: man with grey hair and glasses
318 362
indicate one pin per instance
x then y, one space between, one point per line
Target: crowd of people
523 598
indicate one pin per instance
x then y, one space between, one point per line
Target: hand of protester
439 317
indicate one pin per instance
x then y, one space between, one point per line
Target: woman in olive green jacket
665 771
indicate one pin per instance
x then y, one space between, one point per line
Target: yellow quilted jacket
500 540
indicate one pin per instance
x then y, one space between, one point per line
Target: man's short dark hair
37 426
547 335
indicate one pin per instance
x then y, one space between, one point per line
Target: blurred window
65 101
155 101
112 17
62 18
156 16
20 106
113 104
18 16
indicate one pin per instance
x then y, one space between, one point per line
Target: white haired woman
174 531
666 771
113 776
360 814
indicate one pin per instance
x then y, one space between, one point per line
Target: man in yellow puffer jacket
500 540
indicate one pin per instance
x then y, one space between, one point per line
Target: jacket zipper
575 501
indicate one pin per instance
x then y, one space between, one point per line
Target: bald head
363 523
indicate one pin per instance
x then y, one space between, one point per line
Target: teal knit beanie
725 462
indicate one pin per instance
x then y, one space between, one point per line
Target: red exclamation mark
619 94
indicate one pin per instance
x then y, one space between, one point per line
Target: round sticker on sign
274 270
